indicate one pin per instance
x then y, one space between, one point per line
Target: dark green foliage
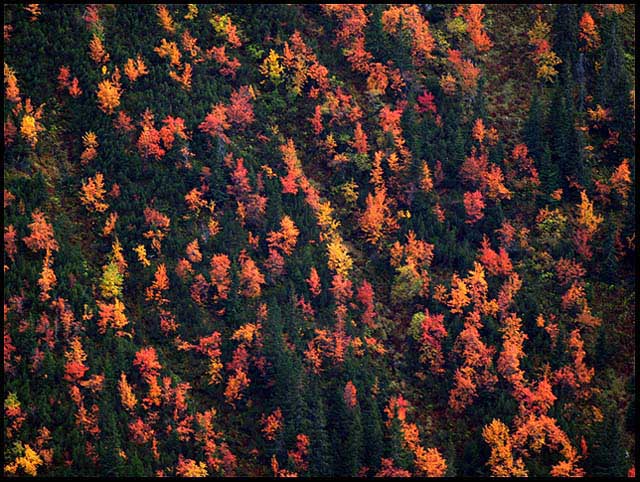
565 148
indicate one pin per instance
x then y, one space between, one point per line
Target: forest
382 240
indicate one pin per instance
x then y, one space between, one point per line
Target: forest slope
266 240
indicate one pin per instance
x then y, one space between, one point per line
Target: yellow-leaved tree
111 282
29 462
501 461
339 259
127 397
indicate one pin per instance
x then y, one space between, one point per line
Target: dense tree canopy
319 240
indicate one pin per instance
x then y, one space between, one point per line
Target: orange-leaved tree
377 220
272 424
350 395
251 278
160 285
93 193
286 238
41 237
314 282
109 92
220 265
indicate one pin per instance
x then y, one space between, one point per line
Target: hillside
319 240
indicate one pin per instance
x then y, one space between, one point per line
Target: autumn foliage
41 237
109 92
336 240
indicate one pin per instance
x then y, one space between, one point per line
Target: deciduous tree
93 193
501 461
350 395
41 237
108 96
251 279
474 206
313 281
127 397
220 265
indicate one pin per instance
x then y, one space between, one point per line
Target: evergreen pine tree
607 454
535 139
373 435
315 426
347 435
613 88
565 36
564 142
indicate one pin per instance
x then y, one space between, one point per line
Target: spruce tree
564 142
535 139
315 426
565 36
607 454
373 435
346 434
613 87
